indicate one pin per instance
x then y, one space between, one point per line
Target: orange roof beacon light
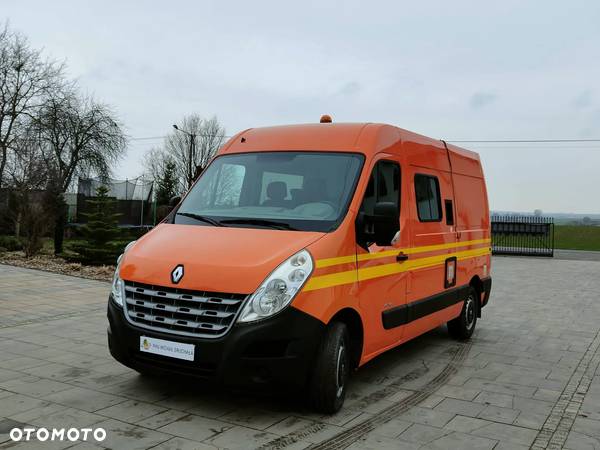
302 252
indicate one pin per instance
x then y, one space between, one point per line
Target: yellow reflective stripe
368 273
335 261
327 262
333 279
482 252
432 248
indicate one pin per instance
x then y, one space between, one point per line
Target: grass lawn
573 237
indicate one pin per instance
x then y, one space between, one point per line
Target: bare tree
156 162
26 79
208 136
27 174
81 136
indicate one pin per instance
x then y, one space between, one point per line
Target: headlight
117 287
117 283
278 290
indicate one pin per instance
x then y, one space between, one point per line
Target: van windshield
307 191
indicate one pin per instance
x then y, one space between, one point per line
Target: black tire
330 375
463 326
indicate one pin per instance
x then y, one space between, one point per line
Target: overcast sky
450 70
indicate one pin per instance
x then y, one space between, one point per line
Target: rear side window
427 191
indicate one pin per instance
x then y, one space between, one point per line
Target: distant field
577 237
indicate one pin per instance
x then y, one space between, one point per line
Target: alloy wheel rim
470 312
340 371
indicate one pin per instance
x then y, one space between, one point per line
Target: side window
427 191
384 186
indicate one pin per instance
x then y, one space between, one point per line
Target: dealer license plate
167 348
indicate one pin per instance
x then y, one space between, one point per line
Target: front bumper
275 351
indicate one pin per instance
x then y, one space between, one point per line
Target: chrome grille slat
179 311
178 322
184 297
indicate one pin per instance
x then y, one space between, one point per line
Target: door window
384 186
427 192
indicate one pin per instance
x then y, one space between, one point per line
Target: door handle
400 257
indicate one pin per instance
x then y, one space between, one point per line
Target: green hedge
11 243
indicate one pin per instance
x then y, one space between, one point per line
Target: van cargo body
301 253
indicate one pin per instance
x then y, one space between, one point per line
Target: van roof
367 138
321 136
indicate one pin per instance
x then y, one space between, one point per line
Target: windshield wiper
206 219
260 222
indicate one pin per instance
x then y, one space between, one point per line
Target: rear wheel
330 375
463 326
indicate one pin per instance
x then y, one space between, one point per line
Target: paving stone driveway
529 377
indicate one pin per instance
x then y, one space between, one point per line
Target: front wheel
331 372
463 326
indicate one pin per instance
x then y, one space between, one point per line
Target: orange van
301 253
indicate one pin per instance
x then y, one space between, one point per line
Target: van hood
215 259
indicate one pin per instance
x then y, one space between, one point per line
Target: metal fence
134 200
523 235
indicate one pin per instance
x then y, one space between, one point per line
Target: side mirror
381 227
385 222
174 201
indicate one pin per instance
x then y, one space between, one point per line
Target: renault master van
301 253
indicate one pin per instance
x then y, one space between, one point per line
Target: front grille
181 311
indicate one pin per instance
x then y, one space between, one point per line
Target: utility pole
191 155
192 159
142 209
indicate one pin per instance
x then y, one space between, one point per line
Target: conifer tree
101 232
167 184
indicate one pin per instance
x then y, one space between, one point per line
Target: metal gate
523 235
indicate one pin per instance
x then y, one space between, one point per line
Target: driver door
381 279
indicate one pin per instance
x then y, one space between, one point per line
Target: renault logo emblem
177 274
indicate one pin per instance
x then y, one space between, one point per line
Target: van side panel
428 281
472 212
464 162
471 206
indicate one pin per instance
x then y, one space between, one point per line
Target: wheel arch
477 284
351 318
